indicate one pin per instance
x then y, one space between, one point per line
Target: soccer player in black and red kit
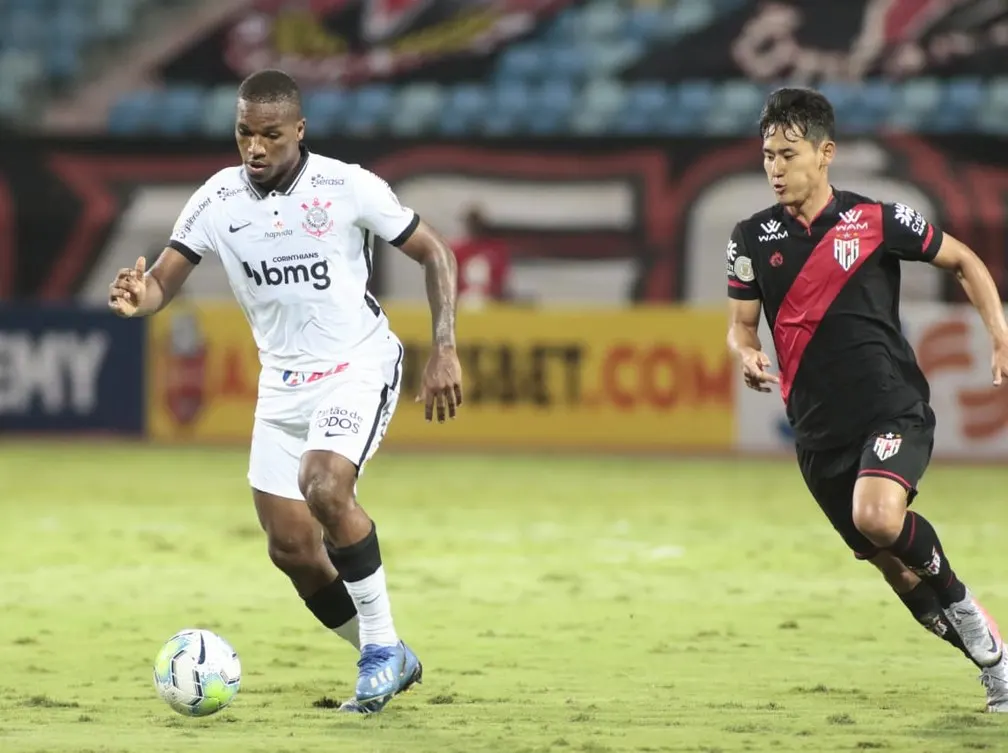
823 265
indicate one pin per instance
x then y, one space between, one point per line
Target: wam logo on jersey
850 221
772 231
285 273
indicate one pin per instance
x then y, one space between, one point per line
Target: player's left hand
441 384
999 361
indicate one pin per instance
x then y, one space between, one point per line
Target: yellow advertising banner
650 378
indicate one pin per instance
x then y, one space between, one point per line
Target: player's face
268 136
794 165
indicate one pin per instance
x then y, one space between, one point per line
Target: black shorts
897 449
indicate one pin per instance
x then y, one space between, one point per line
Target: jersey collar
827 214
287 185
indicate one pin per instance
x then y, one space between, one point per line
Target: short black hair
803 110
270 86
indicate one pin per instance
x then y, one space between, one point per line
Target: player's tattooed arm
426 247
441 381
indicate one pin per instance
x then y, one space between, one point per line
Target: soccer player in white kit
294 231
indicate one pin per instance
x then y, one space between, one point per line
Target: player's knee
292 551
327 483
879 517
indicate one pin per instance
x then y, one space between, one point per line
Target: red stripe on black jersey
815 289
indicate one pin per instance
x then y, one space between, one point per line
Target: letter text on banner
635 379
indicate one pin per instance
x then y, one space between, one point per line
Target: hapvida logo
290 274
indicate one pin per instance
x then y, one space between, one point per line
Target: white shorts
345 410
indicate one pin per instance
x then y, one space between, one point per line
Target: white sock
350 632
374 612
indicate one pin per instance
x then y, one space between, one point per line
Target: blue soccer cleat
377 662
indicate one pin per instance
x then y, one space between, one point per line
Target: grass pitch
563 605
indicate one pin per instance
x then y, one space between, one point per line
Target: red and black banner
349 42
813 40
664 209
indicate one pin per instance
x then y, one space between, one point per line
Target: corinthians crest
316 220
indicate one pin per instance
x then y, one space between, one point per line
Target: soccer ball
197 672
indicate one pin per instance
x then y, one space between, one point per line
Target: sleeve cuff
187 252
743 293
932 243
405 234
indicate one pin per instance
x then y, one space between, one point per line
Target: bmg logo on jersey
284 272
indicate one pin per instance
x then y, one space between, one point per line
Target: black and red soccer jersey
830 293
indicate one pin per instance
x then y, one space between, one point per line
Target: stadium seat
10 98
524 61
365 123
510 99
564 62
728 122
547 123
675 121
25 29
993 121
949 120
112 18
456 123
324 109
744 99
635 123
997 93
134 113
601 21
964 93
180 111
905 120
62 60
841 94
603 96
918 95
644 24
648 99
686 16
467 100
695 97
554 97
219 111
587 122
564 28
417 106
374 101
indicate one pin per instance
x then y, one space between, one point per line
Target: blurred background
588 159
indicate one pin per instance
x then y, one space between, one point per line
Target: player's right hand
754 370
128 290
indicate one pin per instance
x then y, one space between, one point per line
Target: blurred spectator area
580 70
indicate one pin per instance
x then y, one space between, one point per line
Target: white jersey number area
299 258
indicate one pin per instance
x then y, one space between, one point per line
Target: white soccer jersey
299 258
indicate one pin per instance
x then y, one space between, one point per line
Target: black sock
332 605
357 561
923 604
918 548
